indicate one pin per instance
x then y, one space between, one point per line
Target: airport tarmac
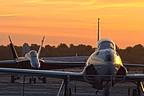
52 86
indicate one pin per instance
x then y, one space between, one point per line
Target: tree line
133 54
50 51
130 54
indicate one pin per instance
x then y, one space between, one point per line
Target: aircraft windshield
33 54
105 45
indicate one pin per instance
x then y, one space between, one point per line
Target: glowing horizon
72 21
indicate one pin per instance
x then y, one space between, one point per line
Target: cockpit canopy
106 44
33 53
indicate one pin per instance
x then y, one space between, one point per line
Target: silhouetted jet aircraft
31 60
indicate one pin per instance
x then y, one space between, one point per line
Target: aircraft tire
106 93
44 79
30 80
34 80
135 92
70 92
12 79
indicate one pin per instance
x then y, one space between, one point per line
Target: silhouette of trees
133 54
65 50
34 47
5 52
48 51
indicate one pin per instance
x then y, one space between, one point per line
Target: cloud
119 1
33 1
61 2
8 15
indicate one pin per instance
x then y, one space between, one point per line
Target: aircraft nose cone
108 57
35 65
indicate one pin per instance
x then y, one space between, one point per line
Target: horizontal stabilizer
98 38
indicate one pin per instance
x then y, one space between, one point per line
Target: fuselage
32 56
105 60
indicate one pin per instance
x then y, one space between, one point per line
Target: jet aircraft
31 60
102 69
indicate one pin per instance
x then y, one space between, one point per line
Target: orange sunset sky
72 21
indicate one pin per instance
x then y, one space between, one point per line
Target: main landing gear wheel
32 79
136 92
44 79
106 90
12 79
106 93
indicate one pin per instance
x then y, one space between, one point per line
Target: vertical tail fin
41 46
98 35
25 49
98 38
15 56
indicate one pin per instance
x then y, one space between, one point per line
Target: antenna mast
98 29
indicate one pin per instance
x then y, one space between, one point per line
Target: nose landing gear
137 91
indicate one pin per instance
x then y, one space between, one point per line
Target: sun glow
121 21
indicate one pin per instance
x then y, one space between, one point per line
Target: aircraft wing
64 63
11 63
48 73
134 77
8 63
64 74
49 64
127 65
